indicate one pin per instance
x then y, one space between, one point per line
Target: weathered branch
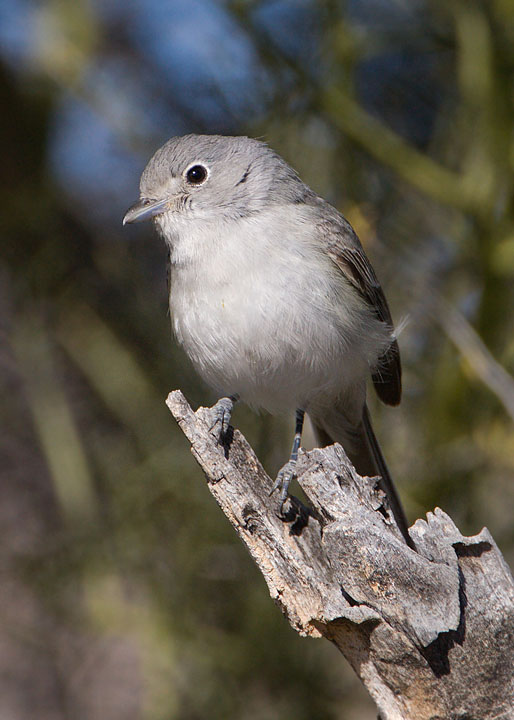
429 633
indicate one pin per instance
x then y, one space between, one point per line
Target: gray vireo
272 295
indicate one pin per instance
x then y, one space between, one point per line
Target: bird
272 295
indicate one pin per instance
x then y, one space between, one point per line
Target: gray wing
345 250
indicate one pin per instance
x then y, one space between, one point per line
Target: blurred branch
112 369
54 424
475 55
476 354
423 630
388 147
482 120
458 190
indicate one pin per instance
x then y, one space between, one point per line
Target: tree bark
429 633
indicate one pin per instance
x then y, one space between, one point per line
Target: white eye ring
196 174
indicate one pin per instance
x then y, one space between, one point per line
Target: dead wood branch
430 633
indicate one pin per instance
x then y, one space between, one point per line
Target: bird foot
284 477
220 418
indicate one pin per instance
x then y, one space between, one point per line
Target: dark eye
196 174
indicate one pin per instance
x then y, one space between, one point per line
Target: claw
284 478
288 472
221 414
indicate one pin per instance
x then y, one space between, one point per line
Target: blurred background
124 592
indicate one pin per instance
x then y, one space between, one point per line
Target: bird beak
145 209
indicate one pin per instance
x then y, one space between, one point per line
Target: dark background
124 592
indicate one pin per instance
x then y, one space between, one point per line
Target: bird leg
288 472
221 414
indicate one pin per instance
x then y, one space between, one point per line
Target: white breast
262 312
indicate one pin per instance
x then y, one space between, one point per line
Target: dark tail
366 456
386 481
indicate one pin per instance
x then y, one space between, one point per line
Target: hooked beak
145 210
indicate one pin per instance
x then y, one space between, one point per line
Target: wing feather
345 250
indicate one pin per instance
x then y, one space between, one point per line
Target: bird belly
274 335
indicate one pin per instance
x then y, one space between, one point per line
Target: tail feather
366 456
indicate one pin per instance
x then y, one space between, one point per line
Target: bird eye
196 175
